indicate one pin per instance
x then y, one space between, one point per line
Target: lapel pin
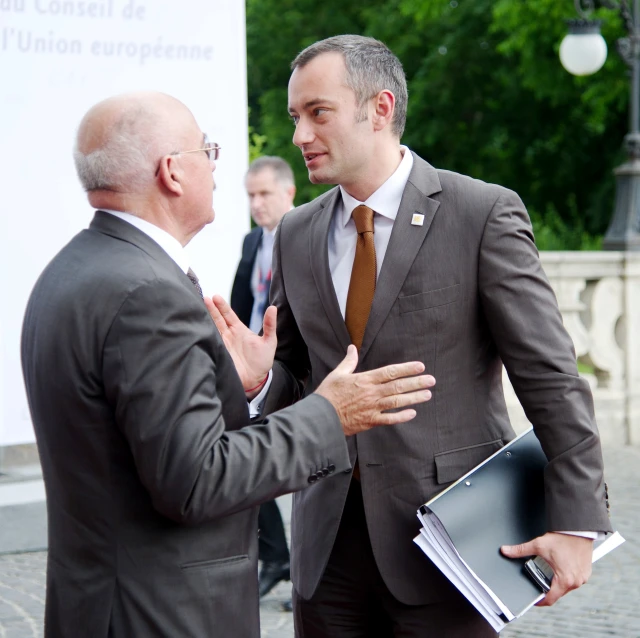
417 220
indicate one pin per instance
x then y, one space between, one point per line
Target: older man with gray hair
153 473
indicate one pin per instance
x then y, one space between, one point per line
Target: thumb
269 323
349 363
519 551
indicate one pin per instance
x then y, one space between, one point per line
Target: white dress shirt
166 241
385 202
176 251
262 264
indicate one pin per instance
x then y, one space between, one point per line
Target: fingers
566 578
569 556
394 371
407 384
396 401
561 584
224 310
394 418
553 595
218 319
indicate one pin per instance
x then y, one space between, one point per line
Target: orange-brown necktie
363 276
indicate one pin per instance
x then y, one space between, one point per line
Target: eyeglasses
212 150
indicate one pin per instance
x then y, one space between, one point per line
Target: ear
171 175
384 106
291 192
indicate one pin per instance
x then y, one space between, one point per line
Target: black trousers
272 542
352 600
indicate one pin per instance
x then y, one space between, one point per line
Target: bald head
121 139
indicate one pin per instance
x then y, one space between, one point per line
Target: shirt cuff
255 405
594 536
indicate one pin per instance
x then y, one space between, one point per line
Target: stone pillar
631 339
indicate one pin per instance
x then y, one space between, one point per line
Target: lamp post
582 52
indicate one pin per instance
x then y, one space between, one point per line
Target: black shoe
271 574
287 605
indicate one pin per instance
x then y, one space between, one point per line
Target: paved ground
608 606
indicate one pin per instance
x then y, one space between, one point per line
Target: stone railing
599 297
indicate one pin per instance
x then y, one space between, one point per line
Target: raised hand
569 556
252 354
361 399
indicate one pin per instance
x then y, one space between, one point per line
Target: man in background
271 189
140 411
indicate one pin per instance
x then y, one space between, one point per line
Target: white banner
57 59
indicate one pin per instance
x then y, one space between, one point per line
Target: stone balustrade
599 297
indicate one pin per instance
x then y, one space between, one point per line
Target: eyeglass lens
212 150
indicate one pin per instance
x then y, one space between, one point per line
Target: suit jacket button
325 471
332 468
319 474
348 471
313 478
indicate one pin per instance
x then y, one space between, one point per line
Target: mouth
312 159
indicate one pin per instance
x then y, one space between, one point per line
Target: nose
212 163
303 134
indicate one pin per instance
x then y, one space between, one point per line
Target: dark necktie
194 281
363 276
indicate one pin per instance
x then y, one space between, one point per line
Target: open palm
252 354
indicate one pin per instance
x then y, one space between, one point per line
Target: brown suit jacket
464 293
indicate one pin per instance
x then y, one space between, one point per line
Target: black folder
500 502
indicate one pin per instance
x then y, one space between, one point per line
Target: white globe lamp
583 50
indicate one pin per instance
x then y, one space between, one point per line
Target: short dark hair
280 167
371 68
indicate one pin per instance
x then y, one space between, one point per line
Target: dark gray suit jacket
151 476
241 294
464 293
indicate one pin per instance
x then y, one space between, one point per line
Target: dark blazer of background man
271 190
139 409
462 289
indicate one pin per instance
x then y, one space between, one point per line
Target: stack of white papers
499 502
436 544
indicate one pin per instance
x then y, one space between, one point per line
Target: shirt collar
386 200
167 242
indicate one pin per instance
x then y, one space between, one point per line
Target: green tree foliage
487 97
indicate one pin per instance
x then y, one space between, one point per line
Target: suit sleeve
291 367
161 376
526 324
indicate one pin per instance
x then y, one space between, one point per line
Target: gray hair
126 160
280 168
371 68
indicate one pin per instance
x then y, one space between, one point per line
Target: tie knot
363 217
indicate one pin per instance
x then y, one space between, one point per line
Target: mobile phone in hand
540 572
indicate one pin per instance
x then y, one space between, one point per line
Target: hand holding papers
499 502
567 556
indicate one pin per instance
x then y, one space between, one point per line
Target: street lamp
582 52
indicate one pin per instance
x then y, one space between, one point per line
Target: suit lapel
115 227
319 251
252 251
405 242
